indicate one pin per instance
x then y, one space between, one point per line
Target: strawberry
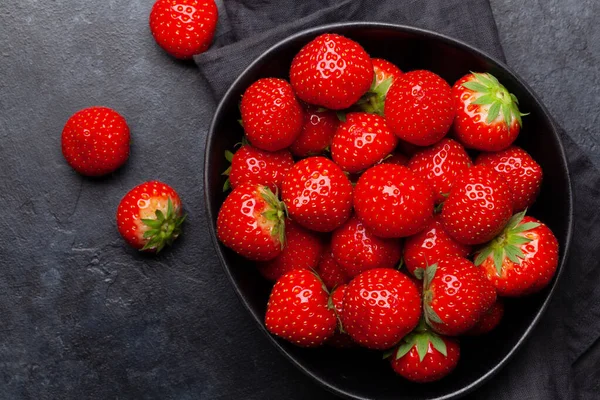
317 193
440 165
317 132
396 158
489 321
418 107
391 201
522 173
340 339
356 249
331 71
149 216
430 245
487 115
478 207
184 28
95 141
361 141
381 305
252 165
384 70
385 74
522 259
298 310
423 356
332 274
271 115
251 222
302 250
456 294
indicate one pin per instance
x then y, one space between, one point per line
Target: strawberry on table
317 132
271 115
489 321
331 71
251 222
95 141
522 259
487 115
332 274
184 28
385 74
149 216
340 339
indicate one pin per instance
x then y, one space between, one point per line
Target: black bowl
362 374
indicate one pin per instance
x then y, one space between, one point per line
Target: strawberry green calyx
374 99
508 243
420 338
164 229
277 213
228 157
428 312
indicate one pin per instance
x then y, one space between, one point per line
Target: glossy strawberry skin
392 202
440 165
317 132
253 165
356 249
332 274
317 193
419 108
331 71
489 321
384 70
184 28
95 141
271 115
522 173
478 207
433 367
380 306
298 310
340 339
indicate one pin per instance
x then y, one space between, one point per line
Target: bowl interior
361 373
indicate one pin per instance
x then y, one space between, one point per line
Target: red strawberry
361 141
384 70
251 222
340 339
430 245
317 194
456 294
396 158
418 107
252 165
298 310
424 356
331 71
478 207
522 173
522 259
95 141
149 216
380 306
184 28
271 115
385 74
489 321
332 274
302 250
392 202
440 165
484 112
317 132
356 249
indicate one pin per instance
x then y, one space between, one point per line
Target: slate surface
82 316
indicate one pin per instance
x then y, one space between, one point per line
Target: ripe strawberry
317 132
430 245
251 222
332 274
418 107
298 310
396 158
385 74
484 112
361 141
380 306
489 321
252 165
478 207
271 115
392 202
340 338
149 216
384 70
522 259
95 141
317 194
456 294
356 249
522 173
331 71
302 250
440 165
184 28
423 356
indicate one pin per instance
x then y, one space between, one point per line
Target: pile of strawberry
353 192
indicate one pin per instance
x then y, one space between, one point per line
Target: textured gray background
75 323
